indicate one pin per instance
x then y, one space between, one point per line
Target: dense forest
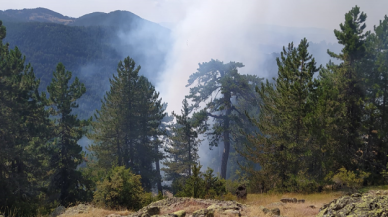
309 127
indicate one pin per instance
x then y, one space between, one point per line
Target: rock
241 192
230 212
312 207
113 215
275 211
204 213
276 204
57 211
207 207
264 210
180 213
289 200
154 210
356 205
301 201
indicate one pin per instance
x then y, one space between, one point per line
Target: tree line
294 133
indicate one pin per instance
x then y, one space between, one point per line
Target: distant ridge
113 19
35 15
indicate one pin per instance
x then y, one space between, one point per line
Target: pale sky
296 13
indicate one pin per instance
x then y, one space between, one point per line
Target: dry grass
289 209
97 212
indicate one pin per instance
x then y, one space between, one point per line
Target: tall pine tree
182 152
217 85
66 181
351 86
126 127
23 132
282 144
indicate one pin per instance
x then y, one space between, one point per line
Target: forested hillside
89 46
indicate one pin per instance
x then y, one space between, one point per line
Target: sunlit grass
98 212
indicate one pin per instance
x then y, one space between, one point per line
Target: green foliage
120 188
66 182
301 183
194 184
214 186
231 186
200 185
182 151
351 179
126 128
24 129
217 84
281 145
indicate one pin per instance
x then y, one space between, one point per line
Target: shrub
301 183
194 185
200 185
231 186
120 188
349 178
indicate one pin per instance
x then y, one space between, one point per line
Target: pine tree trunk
225 154
158 177
189 159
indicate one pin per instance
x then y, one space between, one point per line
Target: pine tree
126 127
281 145
218 84
68 129
151 115
351 90
182 153
23 132
374 68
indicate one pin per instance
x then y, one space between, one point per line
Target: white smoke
227 30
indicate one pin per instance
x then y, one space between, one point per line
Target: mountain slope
90 46
34 15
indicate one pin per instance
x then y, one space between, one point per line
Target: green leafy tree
68 129
217 85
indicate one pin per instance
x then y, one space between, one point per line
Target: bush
200 185
301 183
231 186
120 188
349 178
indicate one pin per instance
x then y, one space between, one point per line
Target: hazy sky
297 13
